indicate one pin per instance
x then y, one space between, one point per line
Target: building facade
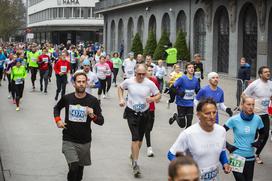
59 21
222 31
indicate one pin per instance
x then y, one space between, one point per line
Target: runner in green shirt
171 58
18 75
33 65
117 63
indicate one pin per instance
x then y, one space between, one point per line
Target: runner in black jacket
80 110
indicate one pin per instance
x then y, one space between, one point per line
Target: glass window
76 12
55 13
67 12
60 12
85 13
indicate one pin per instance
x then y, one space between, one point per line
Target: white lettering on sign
70 2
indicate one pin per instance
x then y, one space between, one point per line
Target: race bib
73 60
34 59
63 69
130 72
237 163
197 75
45 60
19 81
77 113
210 174
265 102
189 94
138 107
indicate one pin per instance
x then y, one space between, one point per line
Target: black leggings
108 82
185 114
1 73
266 122
247 174
34 71
102 87
9 83
160 84
44 76
73 68
18 90
61 85
149 127
115 73
75 172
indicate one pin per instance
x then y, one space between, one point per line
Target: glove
229 111
231 148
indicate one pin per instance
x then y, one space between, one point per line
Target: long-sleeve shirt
18 72
43 62
78 123
62 66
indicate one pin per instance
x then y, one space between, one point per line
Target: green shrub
160 49
181 46
151 44
137 46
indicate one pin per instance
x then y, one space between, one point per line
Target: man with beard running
81 109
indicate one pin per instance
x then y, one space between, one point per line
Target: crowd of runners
200 148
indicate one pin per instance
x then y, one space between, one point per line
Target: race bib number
265 103
210 174
237 163
73 60
19 81
63 69
189 94
34 59
197 75
45 60
77 113
130 72
138 107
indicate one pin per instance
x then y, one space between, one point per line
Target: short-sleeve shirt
244 133
204 147
92 79
138 92
261 91
129 66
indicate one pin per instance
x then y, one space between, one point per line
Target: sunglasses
141 74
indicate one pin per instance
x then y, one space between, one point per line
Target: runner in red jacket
43 62
62 67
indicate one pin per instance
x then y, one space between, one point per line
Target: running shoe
9 96
17 108
136 170
41 89
45 92
258 160
150 152
173 119
104 96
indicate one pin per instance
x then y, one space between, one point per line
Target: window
67 12
76 12
60 12
55 13
85 13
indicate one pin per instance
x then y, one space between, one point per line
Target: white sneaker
104 96
17 108
9 96
150 152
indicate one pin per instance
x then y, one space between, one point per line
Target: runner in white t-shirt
199 142
92 81
129 66
137 108
261 91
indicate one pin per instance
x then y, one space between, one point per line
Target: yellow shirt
173 77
